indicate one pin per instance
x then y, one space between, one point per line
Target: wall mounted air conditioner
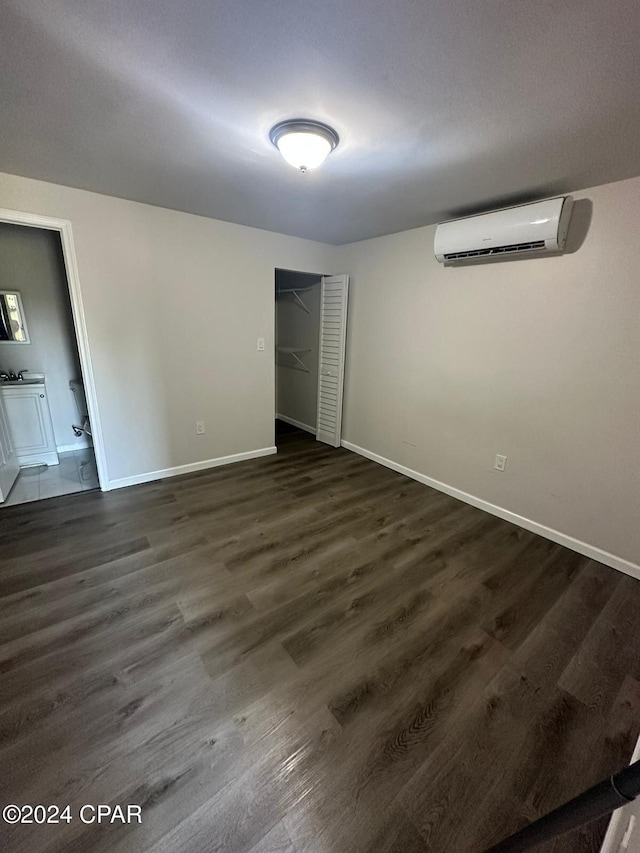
531 229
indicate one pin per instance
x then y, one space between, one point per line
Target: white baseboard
28 459
590 551
295 423
188 469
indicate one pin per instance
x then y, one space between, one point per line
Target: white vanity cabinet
29 419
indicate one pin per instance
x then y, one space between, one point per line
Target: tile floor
75 473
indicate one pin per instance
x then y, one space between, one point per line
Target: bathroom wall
31 262
297 391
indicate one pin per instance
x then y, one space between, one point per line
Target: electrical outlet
260 344
500 463
199 427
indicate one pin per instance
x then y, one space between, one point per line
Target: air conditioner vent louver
495 250
536 229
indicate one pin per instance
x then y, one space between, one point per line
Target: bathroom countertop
12 383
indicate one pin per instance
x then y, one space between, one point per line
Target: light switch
500 463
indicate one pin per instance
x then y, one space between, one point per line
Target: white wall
537 359
174 304
297 391
31 262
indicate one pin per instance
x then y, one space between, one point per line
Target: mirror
13 326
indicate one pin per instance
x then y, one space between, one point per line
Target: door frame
63 227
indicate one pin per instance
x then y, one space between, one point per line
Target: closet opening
310 340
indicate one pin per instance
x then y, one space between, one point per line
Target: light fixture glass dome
303 150
304 144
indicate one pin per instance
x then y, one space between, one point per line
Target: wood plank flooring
305 653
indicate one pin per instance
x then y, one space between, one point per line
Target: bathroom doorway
45 427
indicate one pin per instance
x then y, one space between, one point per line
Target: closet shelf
294 352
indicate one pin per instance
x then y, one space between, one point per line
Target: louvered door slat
333 327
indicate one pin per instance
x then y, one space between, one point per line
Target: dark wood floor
306 652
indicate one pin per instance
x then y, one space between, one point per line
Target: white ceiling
444 107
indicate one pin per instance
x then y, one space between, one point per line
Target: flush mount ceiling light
304 144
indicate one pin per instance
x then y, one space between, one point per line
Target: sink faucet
21 374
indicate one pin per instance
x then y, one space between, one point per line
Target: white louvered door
333 330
